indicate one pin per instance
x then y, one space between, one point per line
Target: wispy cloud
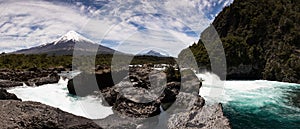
30 23
128 26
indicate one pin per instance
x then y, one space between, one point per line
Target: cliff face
261 39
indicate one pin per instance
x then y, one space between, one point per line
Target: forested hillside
261 39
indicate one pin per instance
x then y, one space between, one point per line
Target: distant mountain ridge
154 53
260 39
66 45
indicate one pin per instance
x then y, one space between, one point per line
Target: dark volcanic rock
138 95
130 108
8 83
120 122
117 122
34 115
190 82
86 83
144 90
186 102
144 99
33 76
208 117
52 78
4 95
109 96
169 95
82 85
189 112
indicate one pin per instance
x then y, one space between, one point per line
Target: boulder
143 100
144 96
169 94
115 121
138 94
52 78
108 95
86 83
144 90
32 77
129 108
185 102
190 83
4 95
208 117
82 84
8 83
34 115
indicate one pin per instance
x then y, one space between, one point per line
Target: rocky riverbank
33 115
31 77
144 98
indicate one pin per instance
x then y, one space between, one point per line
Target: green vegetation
21 61
262 33
12 61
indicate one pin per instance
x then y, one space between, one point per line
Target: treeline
21 61
262 33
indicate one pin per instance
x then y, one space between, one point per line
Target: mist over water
57 95
255 104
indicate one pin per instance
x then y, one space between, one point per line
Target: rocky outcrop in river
147 98
4 95
31 77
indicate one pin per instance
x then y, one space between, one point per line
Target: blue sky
126 25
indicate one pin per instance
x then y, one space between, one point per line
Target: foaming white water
254 104
56 95
212 87
209 78
215 90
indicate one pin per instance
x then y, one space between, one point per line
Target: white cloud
136 23
152 39
36 22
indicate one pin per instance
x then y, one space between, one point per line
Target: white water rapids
248 104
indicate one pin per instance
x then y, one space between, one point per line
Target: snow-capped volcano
67 44
72 35
154 53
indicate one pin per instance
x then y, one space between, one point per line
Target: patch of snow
154 52
72 35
